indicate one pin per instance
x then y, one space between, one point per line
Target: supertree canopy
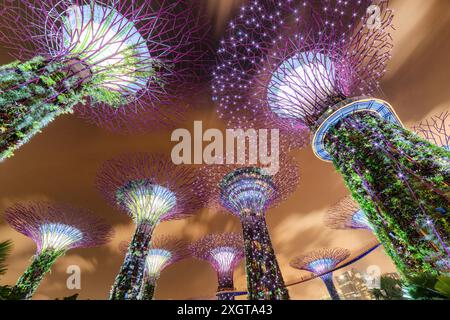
55 229
247 192
346 214
321 263
150 189
224 252
302 63
111 58
164 251
436 130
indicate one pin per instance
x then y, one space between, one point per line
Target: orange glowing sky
60 164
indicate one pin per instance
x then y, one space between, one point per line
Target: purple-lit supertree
115 58
150 189
55 229
164 251
346 214
315 64
224 252
436 130
321 263
248 191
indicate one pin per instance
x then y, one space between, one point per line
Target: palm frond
5 249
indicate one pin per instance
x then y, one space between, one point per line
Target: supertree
248 191
321 263
437 131
117 58
302 63
164 251
346 214
224 252
150 189
55 228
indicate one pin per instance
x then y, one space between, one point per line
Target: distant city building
352 286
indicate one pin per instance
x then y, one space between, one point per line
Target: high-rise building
352 286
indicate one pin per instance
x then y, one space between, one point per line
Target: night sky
60 165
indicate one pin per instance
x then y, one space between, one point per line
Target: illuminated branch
346 214
55 229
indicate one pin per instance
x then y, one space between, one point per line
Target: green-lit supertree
55 229
317 64
150 188
248 191
108 60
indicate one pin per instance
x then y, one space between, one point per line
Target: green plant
5 249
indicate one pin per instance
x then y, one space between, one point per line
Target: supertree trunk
328 280
147 290
28 283
401 182
225 284
264 278
225 296
129 280
32 94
